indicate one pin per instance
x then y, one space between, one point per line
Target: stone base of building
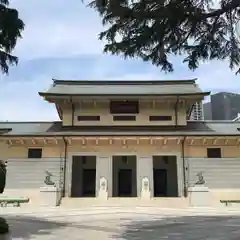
171 202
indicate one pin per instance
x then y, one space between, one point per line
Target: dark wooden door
89 182
76 178
125 183
160 182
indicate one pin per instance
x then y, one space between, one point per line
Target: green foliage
4 228
155 29
11 27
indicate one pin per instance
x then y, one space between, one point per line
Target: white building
197 112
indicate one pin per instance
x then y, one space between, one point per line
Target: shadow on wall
184 228
23 227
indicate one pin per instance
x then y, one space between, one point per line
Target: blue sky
61 41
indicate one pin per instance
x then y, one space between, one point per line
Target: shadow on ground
184 228
24 227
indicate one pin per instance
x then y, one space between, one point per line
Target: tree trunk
3 172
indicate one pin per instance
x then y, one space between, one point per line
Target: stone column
145 177
104 177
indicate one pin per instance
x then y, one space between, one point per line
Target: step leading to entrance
127 202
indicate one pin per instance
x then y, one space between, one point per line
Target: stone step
118 202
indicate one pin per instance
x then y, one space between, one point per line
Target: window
214 153
160 118
34 152
88 118
124 107
124 118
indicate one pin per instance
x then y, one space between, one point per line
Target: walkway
143 223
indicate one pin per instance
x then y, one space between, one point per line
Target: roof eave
46 94
111 135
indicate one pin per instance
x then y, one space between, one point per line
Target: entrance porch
125 175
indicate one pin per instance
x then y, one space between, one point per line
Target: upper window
34 152
124 118
160 118
88 118
214 153
124 107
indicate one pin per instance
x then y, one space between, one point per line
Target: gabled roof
193 128
110 88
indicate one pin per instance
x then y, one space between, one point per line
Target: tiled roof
98 88
196 128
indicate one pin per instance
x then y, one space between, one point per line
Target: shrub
3 226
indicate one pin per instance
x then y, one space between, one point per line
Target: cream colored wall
67 115
190 151
22 151
102 109
201 151
8 152
4 151
148 149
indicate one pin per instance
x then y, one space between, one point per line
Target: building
207 109
197 112
223 106
125 134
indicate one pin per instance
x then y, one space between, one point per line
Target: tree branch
228 7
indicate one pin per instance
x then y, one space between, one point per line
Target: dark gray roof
195 128
101 88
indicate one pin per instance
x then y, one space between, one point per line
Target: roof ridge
123 82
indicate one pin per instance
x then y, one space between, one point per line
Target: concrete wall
106 118
221 175
26 176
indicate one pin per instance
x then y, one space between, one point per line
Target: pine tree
11 27
155 29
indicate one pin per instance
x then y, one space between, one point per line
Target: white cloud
19 101
56 29
55 34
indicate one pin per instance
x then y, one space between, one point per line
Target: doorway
165 180
125 182
83 176
89 182
124 176
160 182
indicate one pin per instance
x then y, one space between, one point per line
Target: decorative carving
201 180
48 180
145 184
103 184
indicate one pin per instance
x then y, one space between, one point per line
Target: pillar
103 176
144 174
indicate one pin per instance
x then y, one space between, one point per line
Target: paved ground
123 223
